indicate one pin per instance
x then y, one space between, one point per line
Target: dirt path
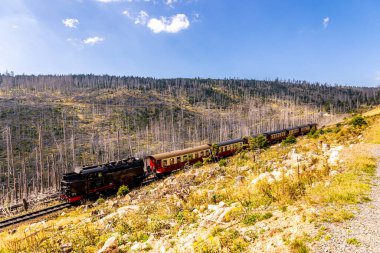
364 228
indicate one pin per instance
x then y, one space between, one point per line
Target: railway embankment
280 199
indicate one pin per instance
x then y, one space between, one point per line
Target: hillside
52 124
274 200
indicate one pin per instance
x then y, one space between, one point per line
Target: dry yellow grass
373 112
372 135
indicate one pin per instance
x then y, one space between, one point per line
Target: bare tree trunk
118 144
40 147
73 148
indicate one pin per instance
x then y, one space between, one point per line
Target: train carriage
305 129
276 136
295 131
227 148
170 161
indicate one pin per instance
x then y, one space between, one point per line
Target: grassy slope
208 210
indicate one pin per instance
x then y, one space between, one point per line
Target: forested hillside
52 124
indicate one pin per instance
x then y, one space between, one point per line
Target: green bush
100 201
222 163
207 160
358 121
251 219
289 140
198 164
123 190
259 142
313 133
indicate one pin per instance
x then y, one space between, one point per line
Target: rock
277 175
240 179
125 237
334 156
110 246
325 147
125 209
221 204
139 246
66 248
127 198
12 231
244 168
333 173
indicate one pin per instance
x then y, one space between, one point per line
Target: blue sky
334 41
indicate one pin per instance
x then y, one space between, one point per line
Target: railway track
32 215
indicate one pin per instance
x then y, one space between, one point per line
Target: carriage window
184 158
178 159
208 152
190 156
196 155
172 161
164 163
201 153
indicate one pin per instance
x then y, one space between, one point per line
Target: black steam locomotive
92 181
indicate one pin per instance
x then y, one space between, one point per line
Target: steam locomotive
90 182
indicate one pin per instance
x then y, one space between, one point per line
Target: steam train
90 182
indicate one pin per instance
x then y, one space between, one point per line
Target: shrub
259 142
299 246
358 121
222 163
314 133
207 160
100 201
353 241
198 164
289 140
123 190
253 218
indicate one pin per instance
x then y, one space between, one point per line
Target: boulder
325 147
110 246
66 248
240 179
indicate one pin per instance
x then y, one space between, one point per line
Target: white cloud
170 2
142 18
172 25
326 22
71 22
93 40
127 13
109 1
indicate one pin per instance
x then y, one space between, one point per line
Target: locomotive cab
72 187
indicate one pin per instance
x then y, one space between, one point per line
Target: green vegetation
353 241
291 139
259 142
251 219
123 190
222 162
358 121
299 245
